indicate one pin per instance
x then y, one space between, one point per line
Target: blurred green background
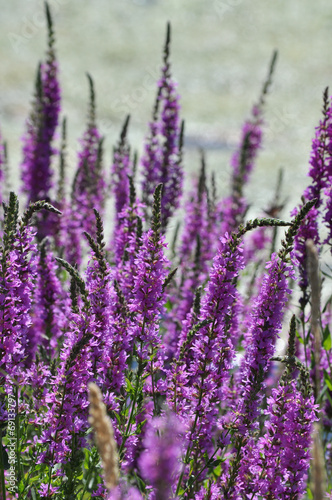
220 55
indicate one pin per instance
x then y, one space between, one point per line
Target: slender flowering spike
146 303
265 325
233 208
88 190
41 126
66 420
2 169
121 169
328 214
89 184
159 463
321 175
277 465
202 363
195 256
321 155
49 309
107 353
18 275
163 150
126 244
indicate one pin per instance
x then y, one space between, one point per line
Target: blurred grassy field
220 55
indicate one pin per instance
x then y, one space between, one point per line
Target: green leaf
21 486
327 341
215 463
169 305
118 418
129 387
309 493
300 339
327 380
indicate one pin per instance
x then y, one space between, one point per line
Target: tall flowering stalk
127 241
121 170
279 460
163 150
145 305
2 169
194 255
160 461
146 300
277 465
49 307
37 174
264 327
65 422
321 174
88 191
233 208
208 351
18 276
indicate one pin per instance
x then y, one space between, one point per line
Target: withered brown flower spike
104 436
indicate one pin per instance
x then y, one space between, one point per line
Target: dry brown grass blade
318 465
104 436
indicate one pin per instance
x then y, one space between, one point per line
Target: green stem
189 449
56 435
127 431
18 451
2 469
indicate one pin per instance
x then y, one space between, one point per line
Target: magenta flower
41 125
264 327
146 299
233 208
49 309
160 461
88 191
121 170
18 275
163 150
201 367
195 253
2 169
277 465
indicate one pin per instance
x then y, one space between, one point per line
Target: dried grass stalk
318 465
315 284
104 436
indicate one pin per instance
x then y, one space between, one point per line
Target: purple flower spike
195 255
89 184
121 169
18 274
147 292
159 463
88 189
49 309
201 368
41 126
321 176
2 169
328 214
234 207
321 155
163 150
277 465
264 327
